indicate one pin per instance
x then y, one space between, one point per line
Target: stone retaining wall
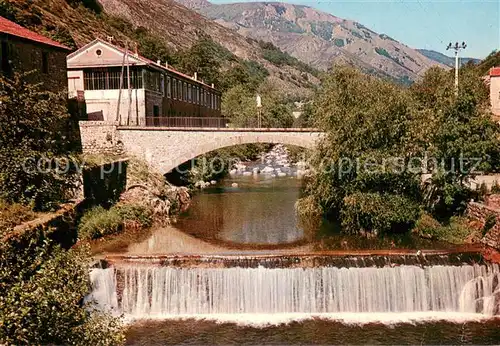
100 137
481 213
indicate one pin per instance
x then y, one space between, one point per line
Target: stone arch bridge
166 148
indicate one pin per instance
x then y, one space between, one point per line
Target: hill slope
319 38
173 26
444 59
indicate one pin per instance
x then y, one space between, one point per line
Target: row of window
181 90
110 79
170 87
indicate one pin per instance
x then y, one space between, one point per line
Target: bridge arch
166 149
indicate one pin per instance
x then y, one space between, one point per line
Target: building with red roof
495 90
99 74
23 50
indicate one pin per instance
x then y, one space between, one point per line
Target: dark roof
11 28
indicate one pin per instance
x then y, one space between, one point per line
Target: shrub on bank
13 214
99 222
43 287
378 213
455 231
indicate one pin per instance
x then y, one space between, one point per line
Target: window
169 91
110 78
179 90
174 88
153 82
45 62
185 91
162 84
190 98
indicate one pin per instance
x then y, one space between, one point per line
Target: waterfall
142 291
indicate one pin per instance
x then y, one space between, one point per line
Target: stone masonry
167 148
481 212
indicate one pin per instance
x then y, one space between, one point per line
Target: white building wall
75 83
107 102
495 94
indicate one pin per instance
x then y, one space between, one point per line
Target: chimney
158 62
166 64
136 50
212 85
196 76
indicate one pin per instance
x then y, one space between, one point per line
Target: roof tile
11 28
495 72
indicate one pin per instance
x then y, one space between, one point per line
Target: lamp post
456 48
258 99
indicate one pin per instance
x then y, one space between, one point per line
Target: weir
147 291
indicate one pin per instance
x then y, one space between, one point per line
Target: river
239 267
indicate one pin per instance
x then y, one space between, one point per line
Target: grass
99 222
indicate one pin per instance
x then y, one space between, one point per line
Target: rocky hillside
319 38
173 26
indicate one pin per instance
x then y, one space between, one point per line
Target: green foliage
277 57
99 222
42 289
457 127
238 104
323 30
339 42
495 188
454 231
379 213
383 52
12 215
490 222
92 5
370 123
34 138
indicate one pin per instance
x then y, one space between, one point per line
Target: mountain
320 39
161 24
444 59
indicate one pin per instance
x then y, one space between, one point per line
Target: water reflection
260 211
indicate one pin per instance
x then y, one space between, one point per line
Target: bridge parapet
166 148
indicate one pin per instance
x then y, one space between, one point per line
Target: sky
427 24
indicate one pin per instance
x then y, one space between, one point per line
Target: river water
284 300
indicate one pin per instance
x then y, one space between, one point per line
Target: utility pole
456 48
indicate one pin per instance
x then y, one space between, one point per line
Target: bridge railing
187 122
208 122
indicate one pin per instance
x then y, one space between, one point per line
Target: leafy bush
427 226
378 213
383 52
495 188
34 138
454 231
43 288
12 215
136 214
99 222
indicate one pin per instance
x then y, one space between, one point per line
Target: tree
358 164
35 144
461 138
